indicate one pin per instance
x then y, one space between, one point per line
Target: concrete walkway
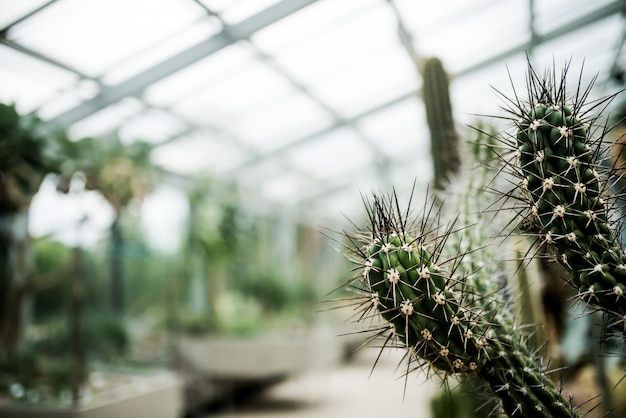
345 391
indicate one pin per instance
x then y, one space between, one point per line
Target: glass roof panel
566 10
236 11
106 120
398 128
200 75
28 81
246 90
13 10
198 152
97 34
422 17
474 93
68 98
273 126
600 37
452 44
384 76
331 155
153 125
320 56
315 19
191 35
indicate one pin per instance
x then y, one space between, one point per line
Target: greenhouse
312 208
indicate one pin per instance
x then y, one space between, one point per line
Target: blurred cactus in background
440 286
444 139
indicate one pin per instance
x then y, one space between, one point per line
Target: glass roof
302 104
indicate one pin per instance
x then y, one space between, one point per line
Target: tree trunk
117 268
15 272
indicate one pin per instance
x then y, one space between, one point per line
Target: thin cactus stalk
564 187
445 310
445 142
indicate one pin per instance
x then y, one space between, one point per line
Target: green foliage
26 156
29 376
52 265
462 401
103 337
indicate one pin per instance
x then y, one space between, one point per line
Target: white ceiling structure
303 104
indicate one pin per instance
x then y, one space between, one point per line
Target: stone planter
158 395
260 357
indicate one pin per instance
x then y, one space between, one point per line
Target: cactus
438 288
444 138
565 191
444 309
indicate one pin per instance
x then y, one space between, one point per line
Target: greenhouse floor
345 391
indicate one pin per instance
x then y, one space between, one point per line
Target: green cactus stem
444 139
449 319
564 189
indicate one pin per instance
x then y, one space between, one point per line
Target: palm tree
123 175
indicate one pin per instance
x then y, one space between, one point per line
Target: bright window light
271 127
93 36
243 9
200 152
200 75
384 76
469 40
29 82
567 11
105 121
319 57
58 215
399 128
248 90
336 154
13 10
284 189
68 98
153 125
421 18
164 215
163 49
314 20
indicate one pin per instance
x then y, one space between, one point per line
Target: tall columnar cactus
444 138
444 309
564 188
